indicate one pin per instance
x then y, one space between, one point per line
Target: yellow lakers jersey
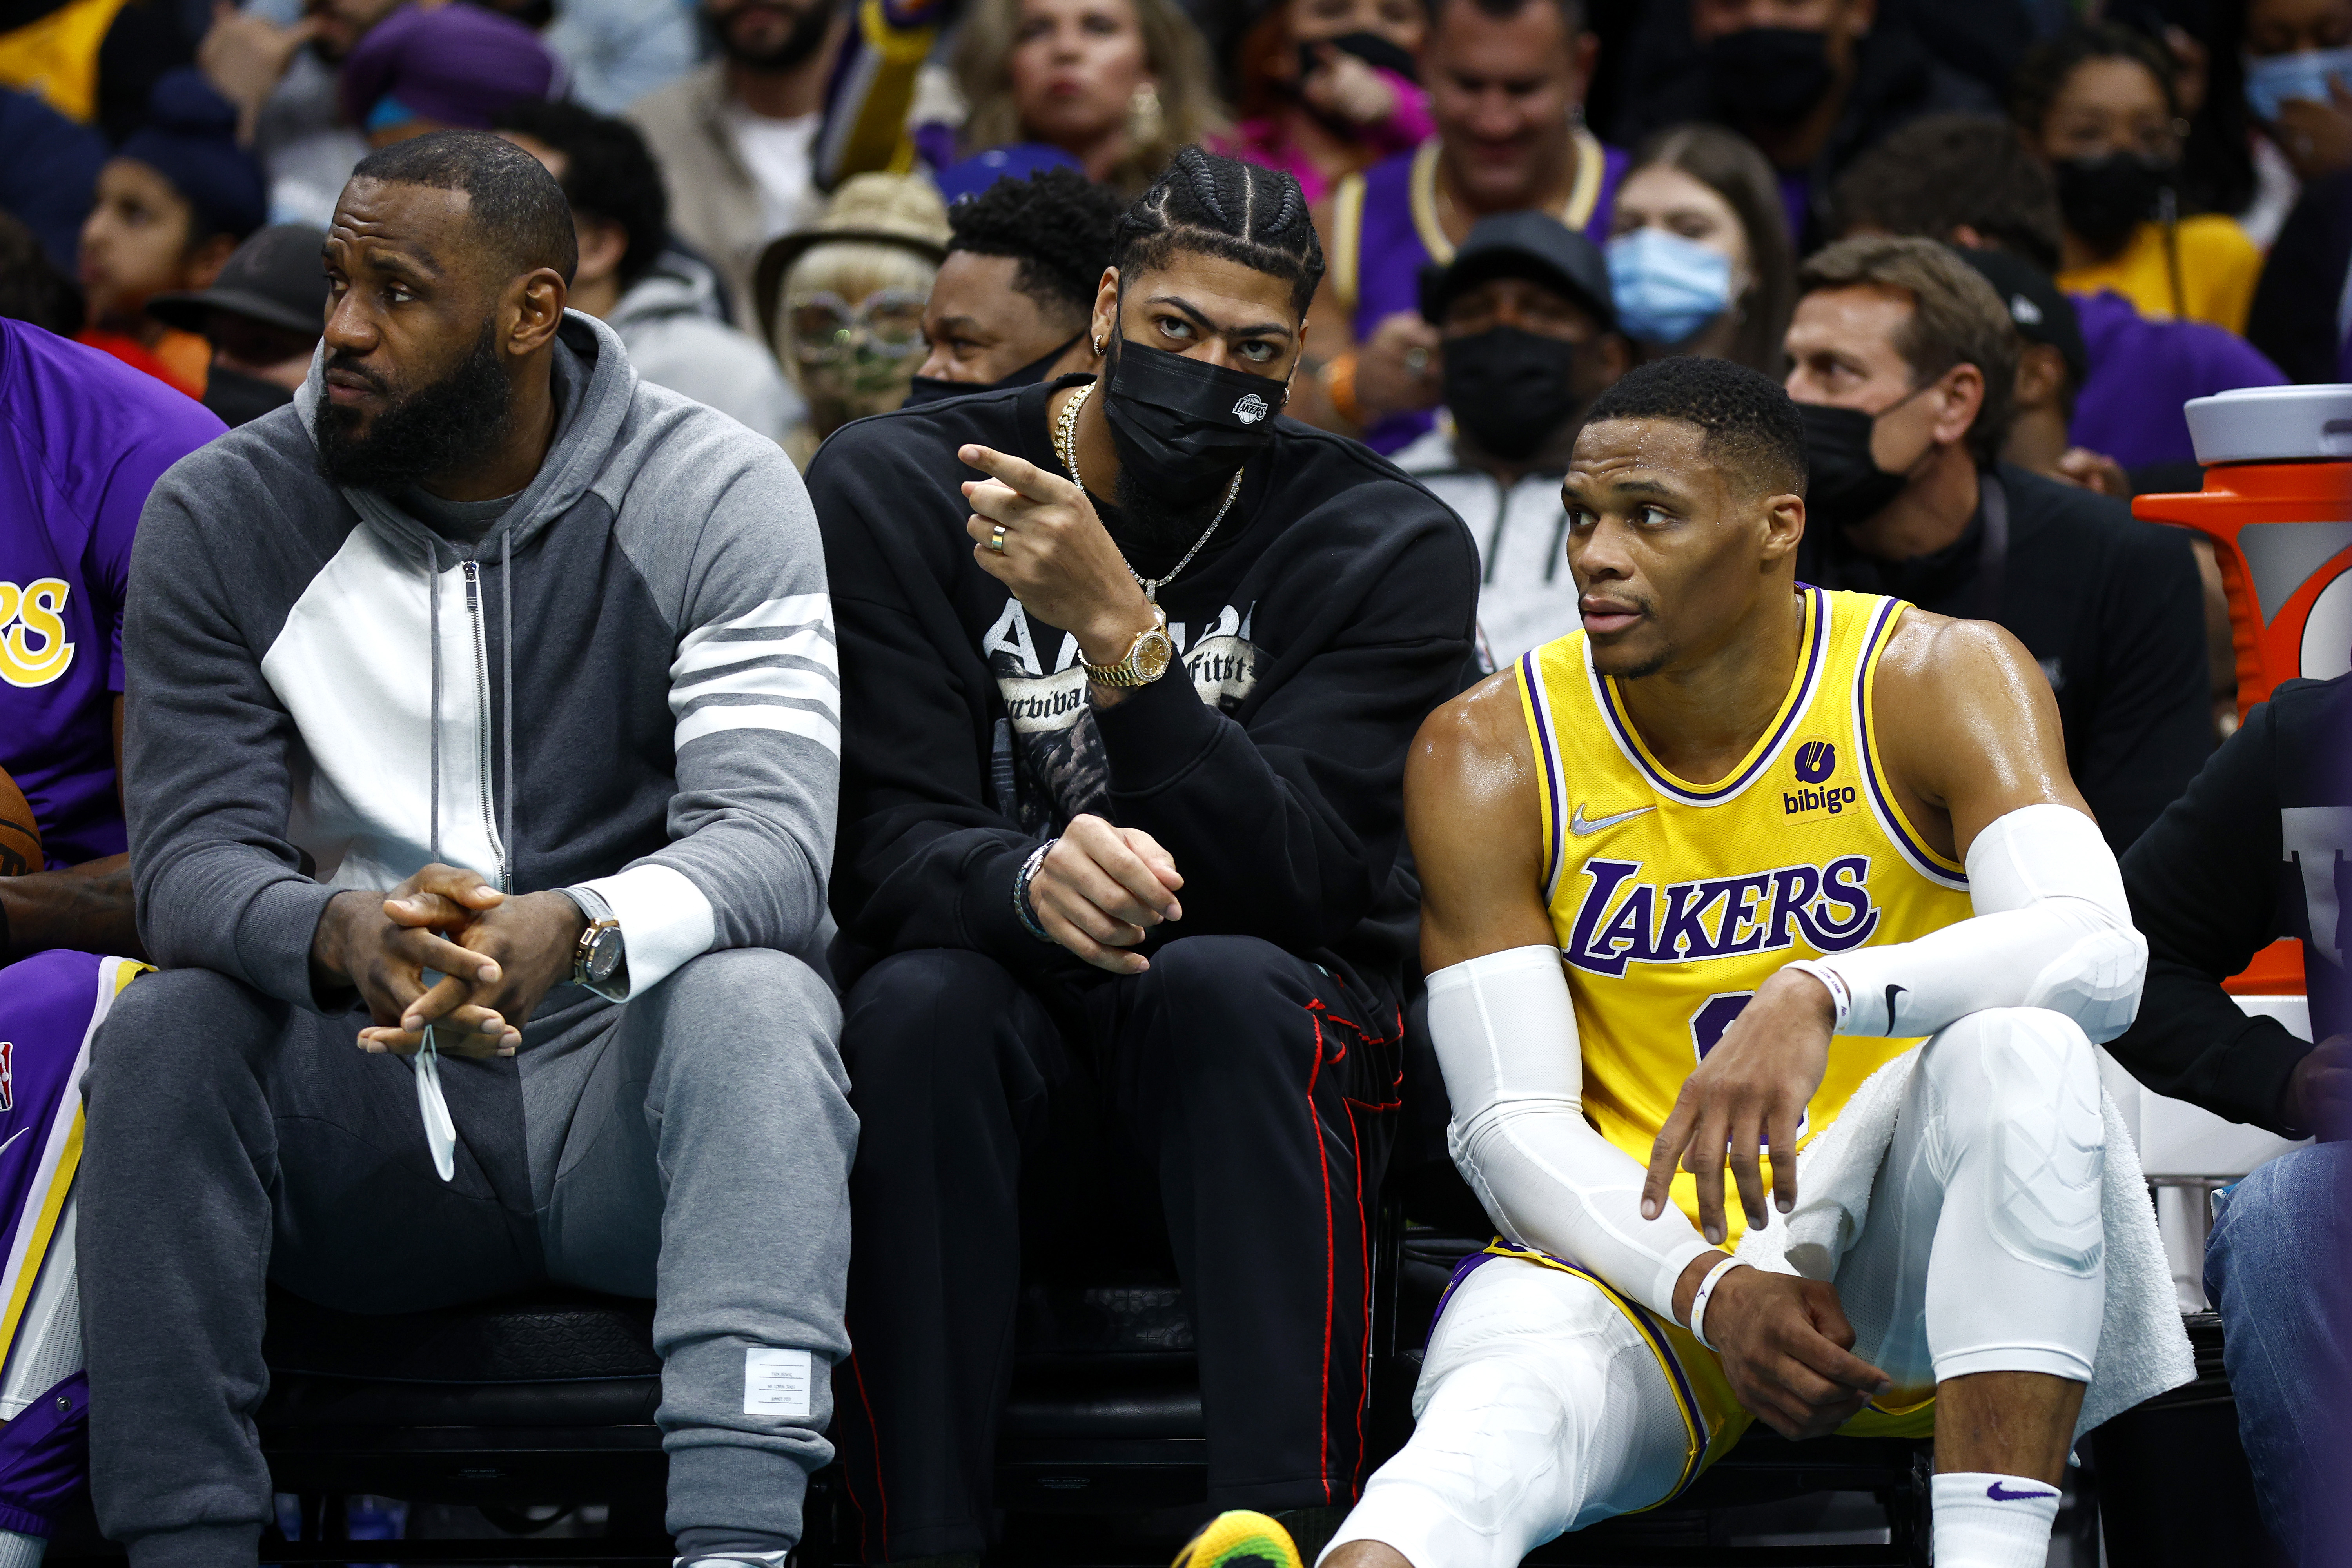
1673 902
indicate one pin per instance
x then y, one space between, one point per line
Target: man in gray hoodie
483 727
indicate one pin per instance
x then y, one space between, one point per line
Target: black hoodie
1329 615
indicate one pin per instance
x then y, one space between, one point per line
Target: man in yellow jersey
1691 876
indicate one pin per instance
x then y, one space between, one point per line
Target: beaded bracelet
1021 908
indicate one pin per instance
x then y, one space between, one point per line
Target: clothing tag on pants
776 1383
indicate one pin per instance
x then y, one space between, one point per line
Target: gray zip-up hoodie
631 683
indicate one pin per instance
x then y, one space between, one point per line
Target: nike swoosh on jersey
1578 825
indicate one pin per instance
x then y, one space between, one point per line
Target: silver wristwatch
601 961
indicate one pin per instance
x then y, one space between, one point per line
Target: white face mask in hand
440 1131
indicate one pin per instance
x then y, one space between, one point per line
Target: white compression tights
1539 1411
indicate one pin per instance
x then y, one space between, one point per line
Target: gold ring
996 539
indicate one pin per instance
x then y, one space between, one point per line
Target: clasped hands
496 958
1786 1346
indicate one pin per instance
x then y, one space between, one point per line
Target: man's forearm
90 907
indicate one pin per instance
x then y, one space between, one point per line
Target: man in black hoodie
1121 910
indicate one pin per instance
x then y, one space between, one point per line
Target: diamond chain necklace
1065 443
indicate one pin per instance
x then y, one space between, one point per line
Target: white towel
2143 1348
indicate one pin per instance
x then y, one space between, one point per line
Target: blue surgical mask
1666 288
2272 79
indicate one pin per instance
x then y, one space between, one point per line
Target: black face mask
1369 47
932 389
1769 76
1509 388
2104 199
1844 485
1182 425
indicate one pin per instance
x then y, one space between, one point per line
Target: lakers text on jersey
1672 901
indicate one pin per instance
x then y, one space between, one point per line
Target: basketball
20 836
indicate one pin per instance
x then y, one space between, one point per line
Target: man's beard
807 36
442 428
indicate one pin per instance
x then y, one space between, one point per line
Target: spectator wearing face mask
1902 361
172 204
1699 261
1331 87
1971 180
1009 307
2098 105
1506 82
1528 339
2297 59
1812 83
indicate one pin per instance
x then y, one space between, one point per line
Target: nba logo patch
1816 760
7 1075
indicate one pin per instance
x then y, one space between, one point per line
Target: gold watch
1147 657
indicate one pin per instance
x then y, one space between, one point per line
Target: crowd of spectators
1989 250
2170 167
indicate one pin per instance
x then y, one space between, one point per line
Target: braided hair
1214 205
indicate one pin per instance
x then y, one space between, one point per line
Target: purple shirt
2144 371
1391 251
83 438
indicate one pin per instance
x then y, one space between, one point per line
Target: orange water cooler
2277 504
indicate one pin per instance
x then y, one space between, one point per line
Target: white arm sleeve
2052 928
1506 1037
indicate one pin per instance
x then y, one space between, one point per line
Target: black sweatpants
1233 1099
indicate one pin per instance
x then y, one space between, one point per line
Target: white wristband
1841 996
1705 1290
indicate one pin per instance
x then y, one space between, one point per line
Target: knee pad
2044 1137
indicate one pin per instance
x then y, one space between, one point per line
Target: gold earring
1145 123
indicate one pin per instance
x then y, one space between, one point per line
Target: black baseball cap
1531 244
2035 303
273 278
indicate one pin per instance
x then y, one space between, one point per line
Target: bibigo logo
1816 761
33 647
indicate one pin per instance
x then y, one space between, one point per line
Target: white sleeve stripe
758 716
763 682
685 686
794 610
734 699
806 643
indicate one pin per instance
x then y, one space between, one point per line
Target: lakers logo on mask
33 647
1249 409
